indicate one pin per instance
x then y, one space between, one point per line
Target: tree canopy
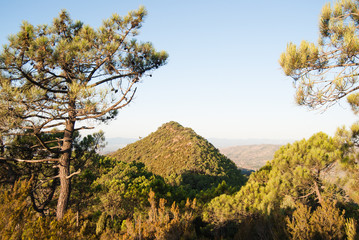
328 71
300 173
55 76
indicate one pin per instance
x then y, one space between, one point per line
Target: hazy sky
222 78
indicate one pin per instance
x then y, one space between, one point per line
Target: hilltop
182 157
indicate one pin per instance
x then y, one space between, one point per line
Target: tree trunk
64 170
317 191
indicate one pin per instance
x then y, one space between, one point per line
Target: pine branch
29 161
73 174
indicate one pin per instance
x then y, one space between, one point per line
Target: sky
222 78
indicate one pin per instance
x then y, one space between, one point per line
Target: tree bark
317 191
64 169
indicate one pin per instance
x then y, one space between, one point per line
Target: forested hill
180 155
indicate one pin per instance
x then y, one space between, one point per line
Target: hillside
182 157
250 157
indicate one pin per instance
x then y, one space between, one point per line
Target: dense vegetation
299 178
182 157
308 191
174 184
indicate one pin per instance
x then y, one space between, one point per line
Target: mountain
182 157
112 144
250 157
224 142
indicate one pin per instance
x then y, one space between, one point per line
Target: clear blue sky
222 78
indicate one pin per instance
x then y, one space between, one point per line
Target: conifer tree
328 71
295 174
55 78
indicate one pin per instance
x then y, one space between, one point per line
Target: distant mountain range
114 144
251 157
224 143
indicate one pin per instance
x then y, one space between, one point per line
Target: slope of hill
182 157
250 157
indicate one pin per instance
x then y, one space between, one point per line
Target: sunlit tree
328 71
55 78
294 175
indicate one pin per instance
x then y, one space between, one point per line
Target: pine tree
56 76
326 72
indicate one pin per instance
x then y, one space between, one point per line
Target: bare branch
82 128
73 174
30 79
43 144
113 78
30 161
115 106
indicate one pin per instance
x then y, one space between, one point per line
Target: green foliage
327 72
83 197
204 196
325 222
294 196
19 221
182 157
43 175
56 76
64 66
292 174
14 210
299 225
350 229
123 191
298 172
51 228
348 139
162 223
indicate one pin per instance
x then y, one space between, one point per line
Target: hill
229 142
182 157
251 157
